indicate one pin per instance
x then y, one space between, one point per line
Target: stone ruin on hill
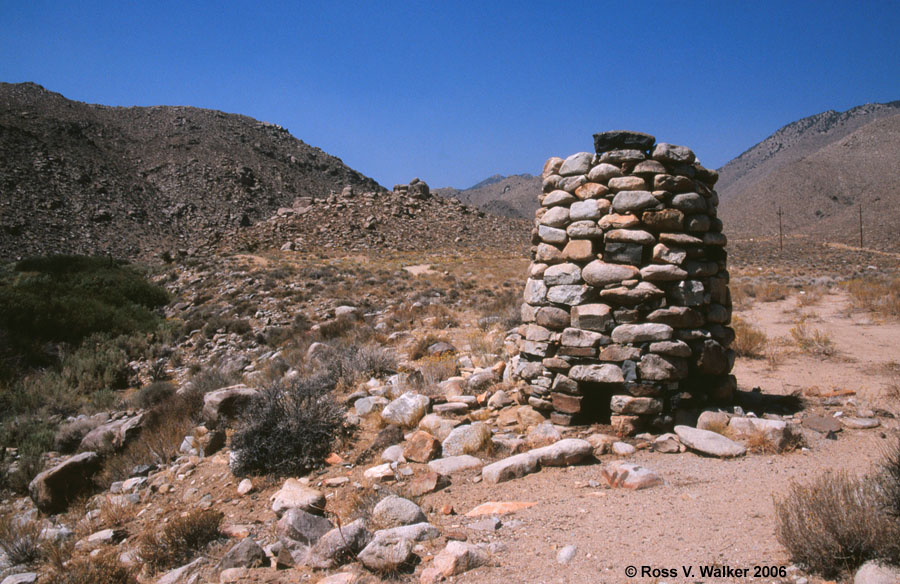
626 304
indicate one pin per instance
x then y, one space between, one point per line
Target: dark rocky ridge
136 181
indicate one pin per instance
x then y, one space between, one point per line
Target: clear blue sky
454 92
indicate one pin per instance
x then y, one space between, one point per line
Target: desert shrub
351 361
163 428
879 294
749 341
20 539
505 309
420 346
437 368
812 340
68 298
890 471
97 364
207 380
288 430
33 436
236 326
836 523
153 394
181 539
101 569
336 328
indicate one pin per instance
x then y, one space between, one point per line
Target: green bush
288 430
68 298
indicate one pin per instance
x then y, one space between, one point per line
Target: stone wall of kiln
626 304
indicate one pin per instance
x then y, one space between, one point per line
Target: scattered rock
562 453
509 468
456 558
245 487
244 554
406 410
668 443
386 554
621 474
421 447
855 423
777 433
454 464
566 554
623 449
299 525
425 483
543 434
296 495
710 443
466 439
873 572
393 511
337 546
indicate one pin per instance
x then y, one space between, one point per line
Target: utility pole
780 231
860 226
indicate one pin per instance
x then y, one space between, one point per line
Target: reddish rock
421 447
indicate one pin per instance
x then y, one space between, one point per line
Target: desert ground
815 340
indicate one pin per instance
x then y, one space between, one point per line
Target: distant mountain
818 171
134 181
510 196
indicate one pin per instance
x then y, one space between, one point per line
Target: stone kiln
627 302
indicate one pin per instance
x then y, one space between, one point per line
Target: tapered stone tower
626 304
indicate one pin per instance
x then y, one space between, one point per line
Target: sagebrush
288 429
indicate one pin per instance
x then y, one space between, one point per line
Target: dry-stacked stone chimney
627 305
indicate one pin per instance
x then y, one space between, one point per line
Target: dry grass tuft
812 340
810 296
836 523
20 539
181 540
749 341
101 569
878 294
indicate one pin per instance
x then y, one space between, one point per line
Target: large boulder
112 435
226 404
244 554
53 489
386 554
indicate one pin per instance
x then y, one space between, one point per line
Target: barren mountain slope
795 141
134 181
510 196
821 193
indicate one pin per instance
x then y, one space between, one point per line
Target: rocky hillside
411 218
509 196
136 181
820 171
